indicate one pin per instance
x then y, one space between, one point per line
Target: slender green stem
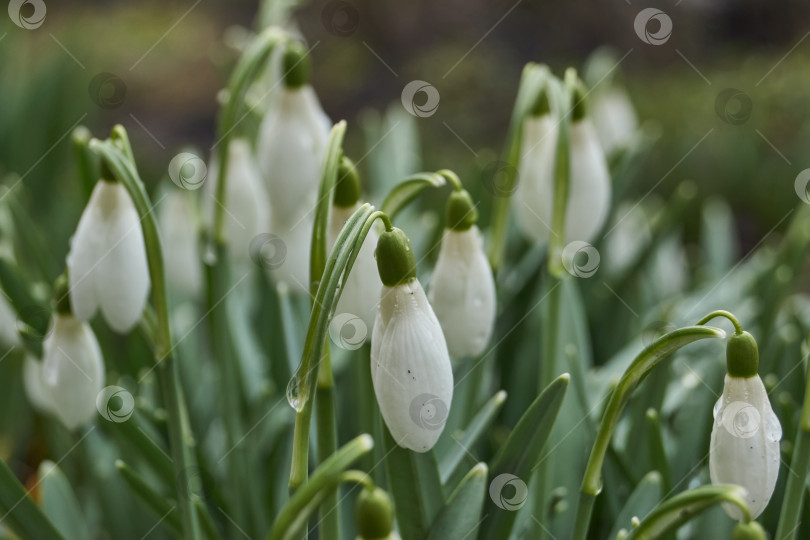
452 178
407 190
640 367
182 441
722 313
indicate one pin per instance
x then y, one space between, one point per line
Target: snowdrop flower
410 365
589 179
179 234
462 289
34 384
292 141
746 433
72 368
247 206
361 295
614 118
107 264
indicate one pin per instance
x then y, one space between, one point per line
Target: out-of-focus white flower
462 292
361 295
72 371
38 394
292 266
589 189
247 208
107 265
180 240
410 365
614 118
8 323
628 237
534 197
746 433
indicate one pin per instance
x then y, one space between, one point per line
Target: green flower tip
748 531
461 211
374 514
347 186
105 173
542 106
395 260
742 355
61 295
297 66
578 103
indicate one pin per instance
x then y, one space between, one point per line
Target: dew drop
294 397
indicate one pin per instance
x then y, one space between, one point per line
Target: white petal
293 269
180 240
38 394
86 248
462 293
532 201
413 380
745 443
362 293
614 118
8 323
292 140
73 371
589 191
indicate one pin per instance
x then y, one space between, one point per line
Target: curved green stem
452 177
640 367
722 313
408 189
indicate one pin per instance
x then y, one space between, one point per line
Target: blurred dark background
169 59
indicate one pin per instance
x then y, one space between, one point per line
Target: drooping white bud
107 265
72 371
614 118
589 190
180 232
462 292
534 196
38 394
410 367
745 442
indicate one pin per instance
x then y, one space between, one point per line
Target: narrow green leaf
521 453
59 502
163 509
19 513
643 499
475 430
461 516
407 190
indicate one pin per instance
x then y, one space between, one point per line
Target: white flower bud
361 295
107 265
180 241
589 191
35 389
72 371
745 443
462 292
534 196
8 323
247 208
614 118
410 367
292 141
